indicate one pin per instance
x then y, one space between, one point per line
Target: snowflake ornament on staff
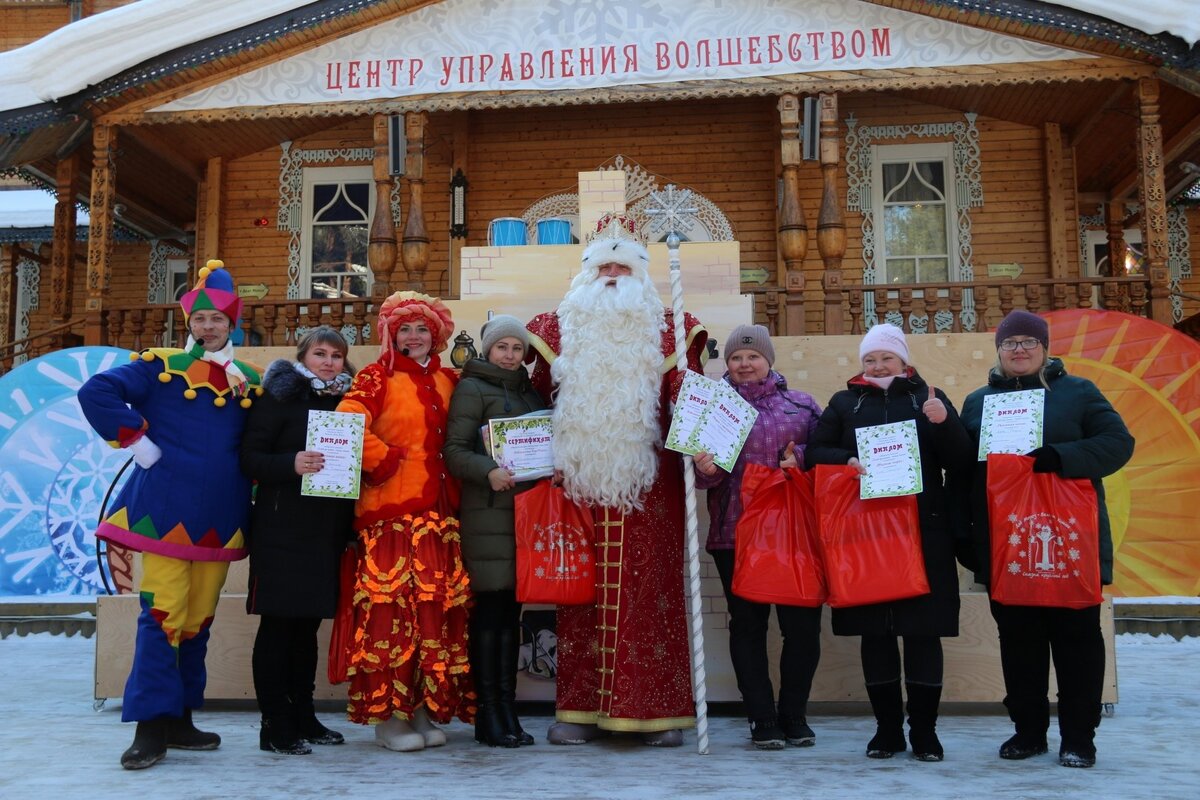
672 210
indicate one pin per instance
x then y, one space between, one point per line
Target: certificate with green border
523 445
1012 422
337 435
892 458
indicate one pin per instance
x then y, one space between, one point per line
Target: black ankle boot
510 646
922 722
888 705
182 734
491 727
309 728
278 735
149 745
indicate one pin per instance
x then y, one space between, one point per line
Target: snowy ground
55 746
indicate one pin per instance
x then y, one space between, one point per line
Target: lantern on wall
458 205
464 349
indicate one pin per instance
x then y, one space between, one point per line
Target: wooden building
965 158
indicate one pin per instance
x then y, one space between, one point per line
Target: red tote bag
871 548
1045 536
776 558
555 552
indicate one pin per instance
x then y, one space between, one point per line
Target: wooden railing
922 306
67 334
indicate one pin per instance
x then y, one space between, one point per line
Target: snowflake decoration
1073 536
539 546
1014 568
584 558
1021 553
1071 522
671 210
1012 518
1014 540
1060 566
1073 554
540 572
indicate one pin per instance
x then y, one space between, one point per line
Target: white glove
145 452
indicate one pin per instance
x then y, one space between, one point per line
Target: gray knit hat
499 327
750 337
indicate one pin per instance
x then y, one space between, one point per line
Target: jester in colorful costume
180 414
408 663
606 358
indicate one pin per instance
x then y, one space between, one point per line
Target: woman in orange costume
408 661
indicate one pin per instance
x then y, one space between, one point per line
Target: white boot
397 734
433 735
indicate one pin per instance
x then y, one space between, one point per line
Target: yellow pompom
245 402
214 263
258 390
164 377
203 273
219 402
190 394
134 356
147 356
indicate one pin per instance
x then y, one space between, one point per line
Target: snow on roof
93 49
87 52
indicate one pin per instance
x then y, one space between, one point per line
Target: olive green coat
486 391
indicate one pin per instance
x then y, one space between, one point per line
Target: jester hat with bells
404 307
213 291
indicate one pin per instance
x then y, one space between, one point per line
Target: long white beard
606 427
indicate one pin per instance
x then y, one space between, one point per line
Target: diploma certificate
892 458
1012 422
523 445
718 423
694 395
338 436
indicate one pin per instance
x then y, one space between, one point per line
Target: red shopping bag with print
555 552
776 559
341 635
871 548
1045 533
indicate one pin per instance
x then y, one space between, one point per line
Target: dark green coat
1082 427
486 391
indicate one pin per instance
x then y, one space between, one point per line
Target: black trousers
285 664
1029 637
801 631
923 660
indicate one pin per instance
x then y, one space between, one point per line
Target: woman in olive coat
295 541
496 385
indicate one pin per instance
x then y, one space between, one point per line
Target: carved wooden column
1114 223
62 258
1056 201
8 293
213 178
99 262
831 227
415 246
381 250
1153 193
793 232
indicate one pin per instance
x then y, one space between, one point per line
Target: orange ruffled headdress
408 306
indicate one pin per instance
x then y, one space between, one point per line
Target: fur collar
284 383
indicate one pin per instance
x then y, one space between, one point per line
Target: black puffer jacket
945 446
486 391
295 541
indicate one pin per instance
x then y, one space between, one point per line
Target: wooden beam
1114 224
831 226
415 246
1187 136
1084 128
63 256
8 294
99 272
164 154
1152 193
212 210
381 247
1056 200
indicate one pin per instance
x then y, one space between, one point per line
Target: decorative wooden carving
793 232
1152 192
381 249
99 265
1114 223
415 247
831 227
62 259
8 293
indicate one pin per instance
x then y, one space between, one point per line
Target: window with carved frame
336 207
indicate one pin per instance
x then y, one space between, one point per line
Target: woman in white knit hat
889 390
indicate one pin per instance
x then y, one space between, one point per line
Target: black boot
510 646
183 735
149 745
922 721
278 735
490 726
1031 717
888 705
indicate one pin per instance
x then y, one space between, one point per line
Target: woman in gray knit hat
493 385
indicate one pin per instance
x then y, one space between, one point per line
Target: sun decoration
1151 375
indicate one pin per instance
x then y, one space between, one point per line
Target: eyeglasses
1024 344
